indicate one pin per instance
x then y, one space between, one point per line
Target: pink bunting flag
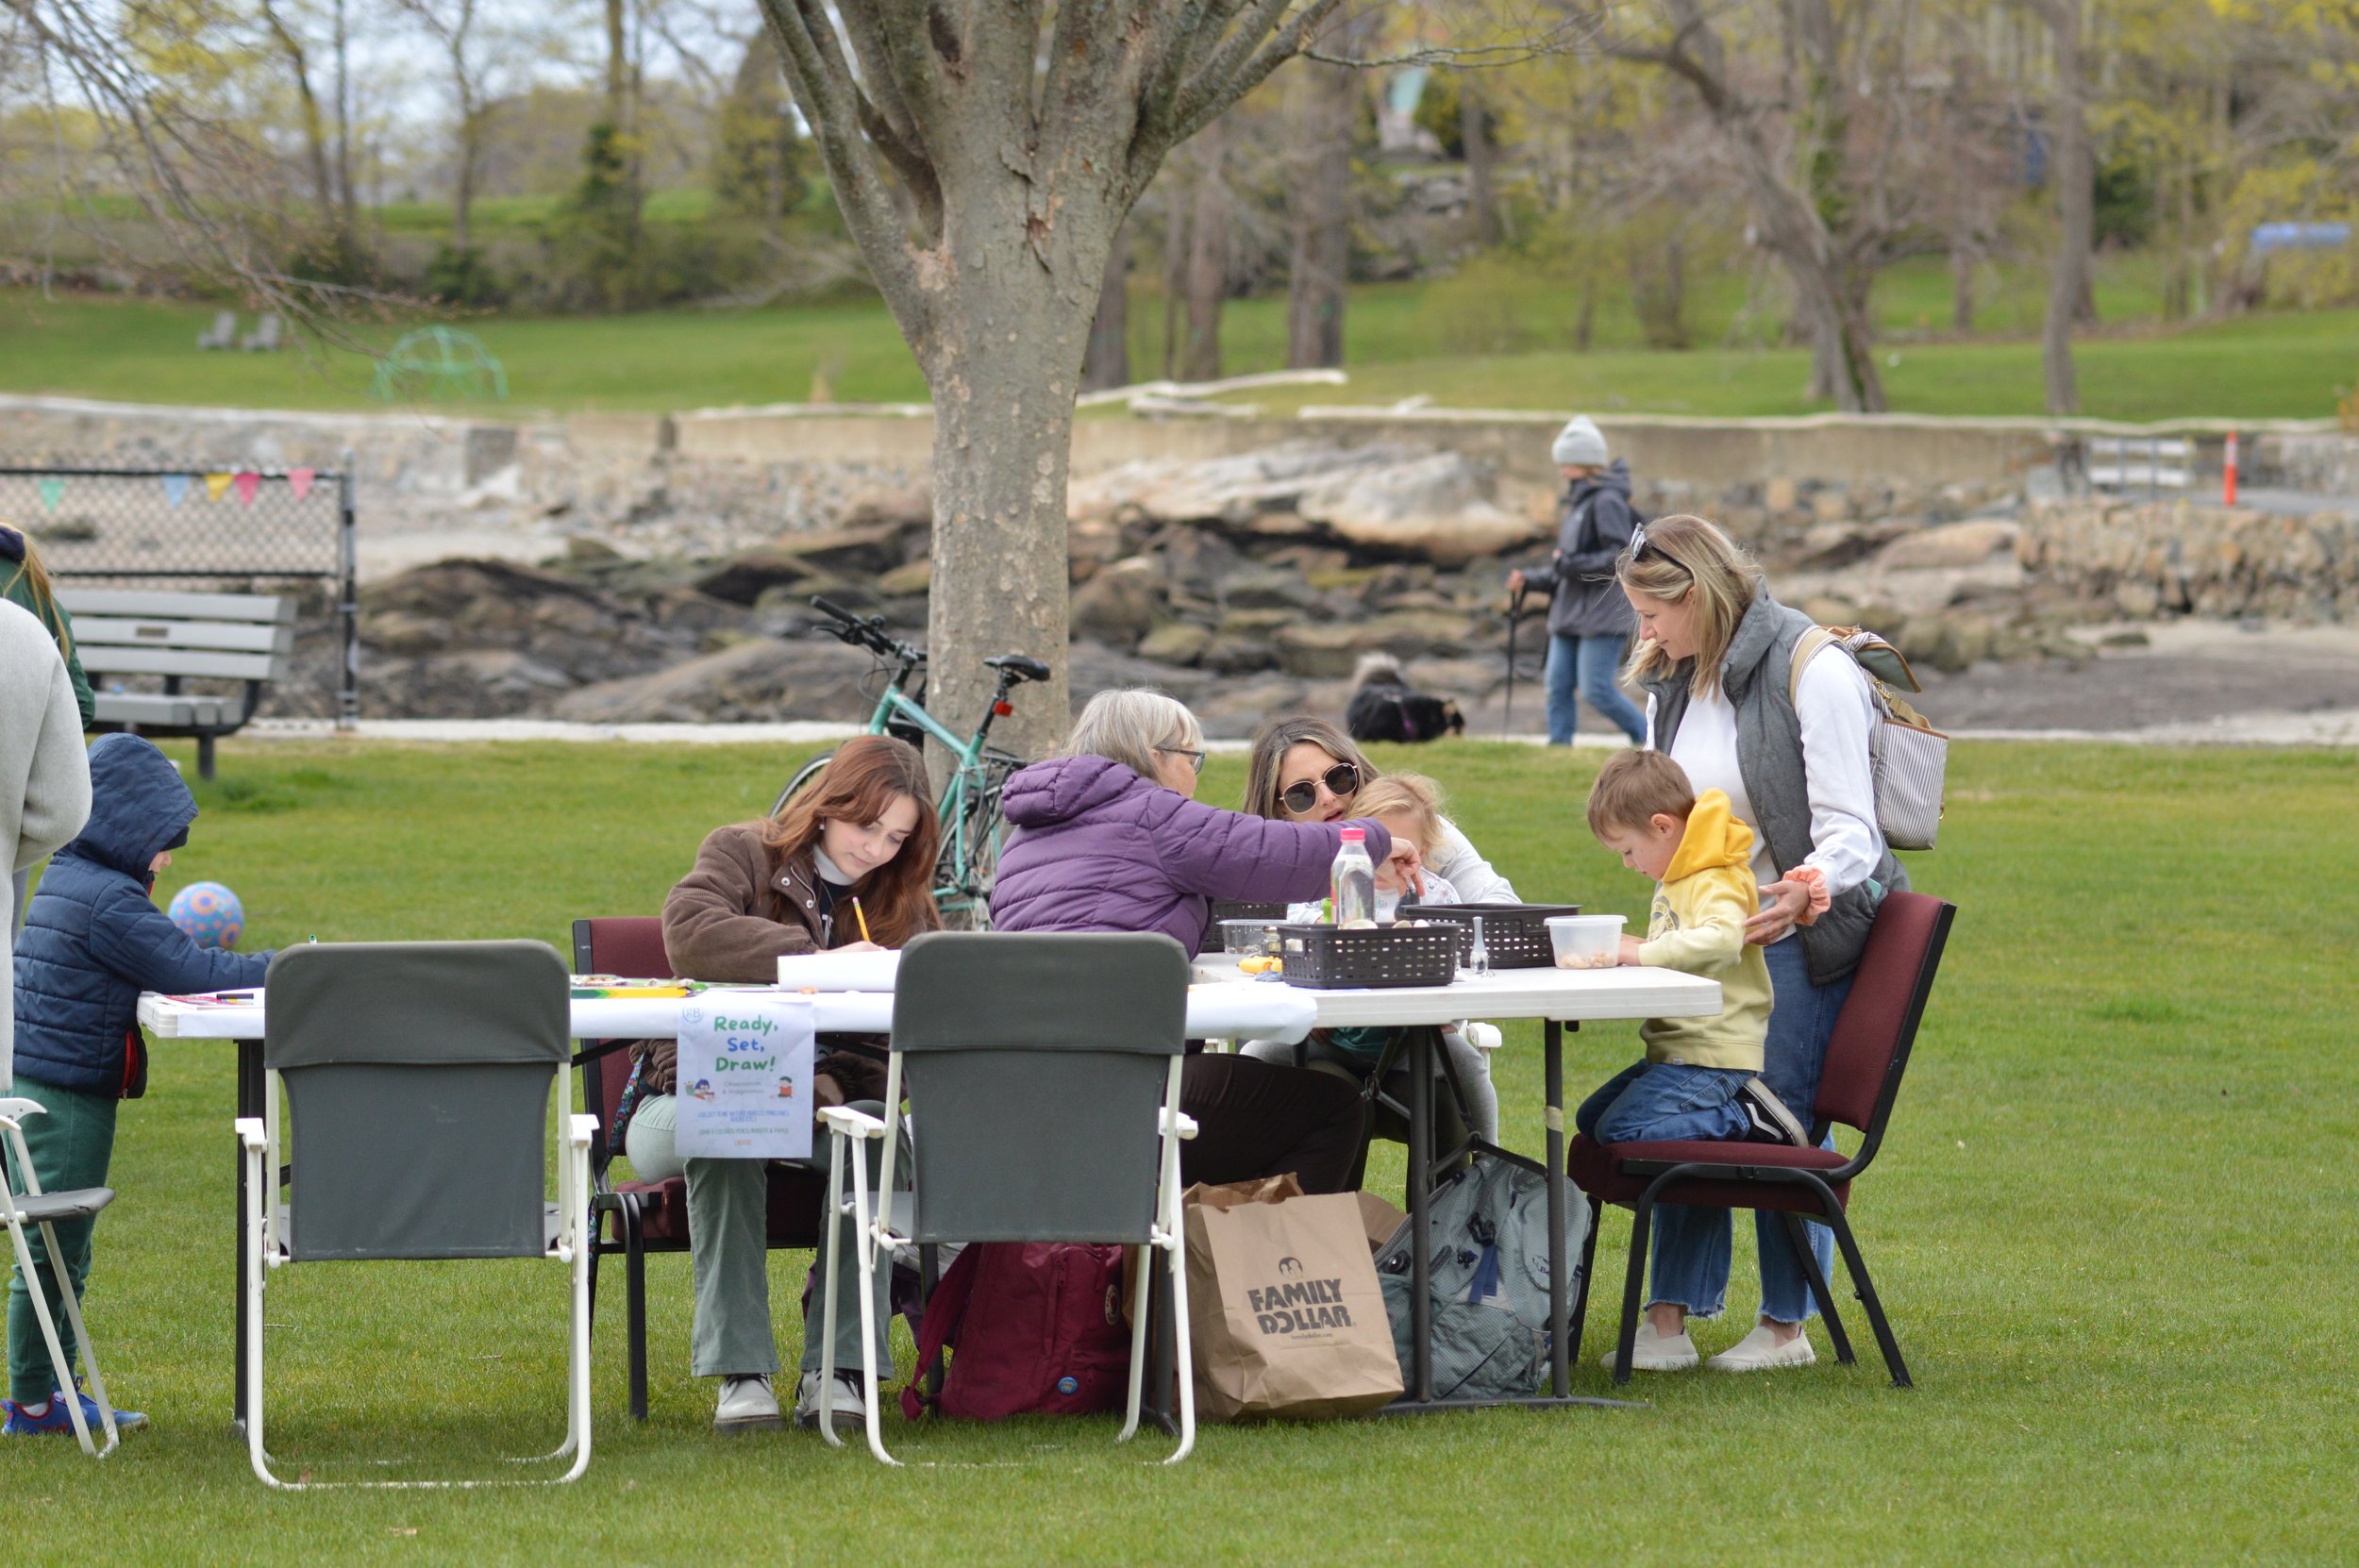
217 485
299 480
247 484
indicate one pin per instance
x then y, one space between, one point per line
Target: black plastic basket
1328 957
1515 934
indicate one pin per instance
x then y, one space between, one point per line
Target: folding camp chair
1865 1057
995 1035
652 1216
417 1075
35 1207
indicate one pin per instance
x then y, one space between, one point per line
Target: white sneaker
847 1410
1650 1352
747 1405
1759 1351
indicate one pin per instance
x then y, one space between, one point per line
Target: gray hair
1129 725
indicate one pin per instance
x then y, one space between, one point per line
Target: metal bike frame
966 783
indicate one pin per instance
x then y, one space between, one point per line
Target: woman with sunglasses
1308 770
1110 837
1715 661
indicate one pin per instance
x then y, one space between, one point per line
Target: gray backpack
1489 1280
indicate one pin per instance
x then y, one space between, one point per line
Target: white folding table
1558 997
1273 1012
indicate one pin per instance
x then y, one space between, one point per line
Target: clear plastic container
1587 940
1353 880
1246 937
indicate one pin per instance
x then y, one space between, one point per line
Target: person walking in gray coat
44 775
1589 620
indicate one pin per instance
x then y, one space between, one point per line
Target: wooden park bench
179 637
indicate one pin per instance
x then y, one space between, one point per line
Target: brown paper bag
1379 1219
1284 1307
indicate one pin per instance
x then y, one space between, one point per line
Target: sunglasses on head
1342 780
1640 546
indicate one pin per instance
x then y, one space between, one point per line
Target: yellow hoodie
1697 926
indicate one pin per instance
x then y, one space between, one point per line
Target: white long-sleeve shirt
1456 859
1838 714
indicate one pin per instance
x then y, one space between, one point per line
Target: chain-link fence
236 531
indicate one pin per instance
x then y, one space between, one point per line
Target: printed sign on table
746 1066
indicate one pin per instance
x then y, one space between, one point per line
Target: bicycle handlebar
867 632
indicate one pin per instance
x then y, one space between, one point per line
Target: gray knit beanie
1580 441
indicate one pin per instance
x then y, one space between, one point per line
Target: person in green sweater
24 581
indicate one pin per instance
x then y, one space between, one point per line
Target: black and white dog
1383 707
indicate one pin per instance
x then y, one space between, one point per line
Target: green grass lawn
1403 339
2113 1224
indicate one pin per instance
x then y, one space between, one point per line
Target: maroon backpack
1037 1326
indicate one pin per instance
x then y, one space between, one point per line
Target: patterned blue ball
209 913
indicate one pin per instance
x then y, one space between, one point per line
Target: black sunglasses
1341 781
1641 547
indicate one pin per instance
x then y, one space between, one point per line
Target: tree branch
1235 69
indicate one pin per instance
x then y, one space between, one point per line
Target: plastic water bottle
1353 880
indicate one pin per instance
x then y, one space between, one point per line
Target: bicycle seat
1019 666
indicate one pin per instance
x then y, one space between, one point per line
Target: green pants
728 1230
70 1147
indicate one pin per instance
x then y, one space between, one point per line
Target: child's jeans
70 1147
1662 1102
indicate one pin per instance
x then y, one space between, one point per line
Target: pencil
862 918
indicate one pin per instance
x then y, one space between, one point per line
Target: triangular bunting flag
176 489
51 491
299 480
217 485
247 484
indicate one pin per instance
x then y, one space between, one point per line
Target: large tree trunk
2076 211
1208 263
314 123
1106 362
1961 283
1474 129
344 127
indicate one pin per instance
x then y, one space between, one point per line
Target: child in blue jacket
92 940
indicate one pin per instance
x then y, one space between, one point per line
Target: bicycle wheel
970 852
803 775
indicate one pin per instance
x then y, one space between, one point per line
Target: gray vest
1756 676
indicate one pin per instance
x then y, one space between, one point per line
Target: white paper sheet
840 971
745 1068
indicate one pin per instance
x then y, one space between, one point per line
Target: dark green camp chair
418 1077
1044 1073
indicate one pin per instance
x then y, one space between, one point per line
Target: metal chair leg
635 1308
1641 1221
1798 1239
1876 1320
1578 1320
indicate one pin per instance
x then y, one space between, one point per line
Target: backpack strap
1805 648
945 1310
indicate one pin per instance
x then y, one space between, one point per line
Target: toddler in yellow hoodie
1698 1080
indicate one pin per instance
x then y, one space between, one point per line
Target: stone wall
2163 558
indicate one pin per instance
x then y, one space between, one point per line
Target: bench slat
239 637
145 604
157 711
100 658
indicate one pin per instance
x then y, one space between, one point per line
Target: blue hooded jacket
93 940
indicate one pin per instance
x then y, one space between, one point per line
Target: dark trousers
1257 1118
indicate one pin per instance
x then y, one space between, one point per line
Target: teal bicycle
969 808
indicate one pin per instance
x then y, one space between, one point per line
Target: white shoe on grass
1759 1351
1652 1352
747 1405
847 1408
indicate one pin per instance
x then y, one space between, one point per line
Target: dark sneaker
1771 1123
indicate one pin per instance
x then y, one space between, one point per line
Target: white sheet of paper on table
840 971
745 1072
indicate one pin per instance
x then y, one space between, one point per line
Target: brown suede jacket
729 919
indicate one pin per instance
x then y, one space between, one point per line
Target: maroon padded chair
652 1216
1865 1057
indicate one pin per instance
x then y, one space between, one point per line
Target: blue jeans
1589 665
1651 1102
1692 1245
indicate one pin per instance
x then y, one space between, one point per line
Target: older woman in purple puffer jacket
1110 837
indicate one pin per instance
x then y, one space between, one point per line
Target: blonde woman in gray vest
1714 660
